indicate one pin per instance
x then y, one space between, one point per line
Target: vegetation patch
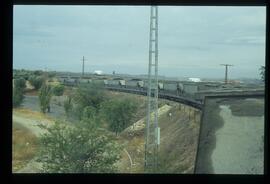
24 146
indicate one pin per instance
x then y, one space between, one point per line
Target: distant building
98 72
194 79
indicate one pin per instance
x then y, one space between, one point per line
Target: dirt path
32 125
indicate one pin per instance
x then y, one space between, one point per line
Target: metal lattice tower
152 129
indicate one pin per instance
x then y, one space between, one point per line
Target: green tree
17 96
262 72
38 72
89 113
58 90
77 149
36 81
45 94
51 74
88 95
20 83
119 113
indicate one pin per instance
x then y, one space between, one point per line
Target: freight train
179 88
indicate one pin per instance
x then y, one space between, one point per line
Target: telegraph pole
152 131
83 66
226 72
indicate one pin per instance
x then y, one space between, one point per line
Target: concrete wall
231 138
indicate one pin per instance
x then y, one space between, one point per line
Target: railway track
180 99
195 100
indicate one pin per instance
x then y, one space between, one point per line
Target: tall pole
83 59
152 129
226 72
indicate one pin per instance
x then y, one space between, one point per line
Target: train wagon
160 85
170 88
122 83
113 83
85 81
190 89
71 82
135 84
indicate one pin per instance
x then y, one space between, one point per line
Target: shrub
58 90
119 113
88 95
20 83
17 96
45 94
77 149
36 81
68 105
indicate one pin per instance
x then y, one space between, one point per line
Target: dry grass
179 134
28 113
24 146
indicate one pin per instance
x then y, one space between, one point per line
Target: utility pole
152 130
83 66
226 72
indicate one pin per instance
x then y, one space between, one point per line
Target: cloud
28 32
117 37
246 40
243 41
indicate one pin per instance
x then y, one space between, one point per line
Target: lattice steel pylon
152 129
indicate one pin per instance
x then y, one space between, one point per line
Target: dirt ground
178 144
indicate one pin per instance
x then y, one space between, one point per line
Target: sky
193 41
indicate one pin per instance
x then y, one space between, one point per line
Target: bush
68 105
87 95
58 90
119 113
38 72
20 83
77 149
45 94
36 81
17 96
90 114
